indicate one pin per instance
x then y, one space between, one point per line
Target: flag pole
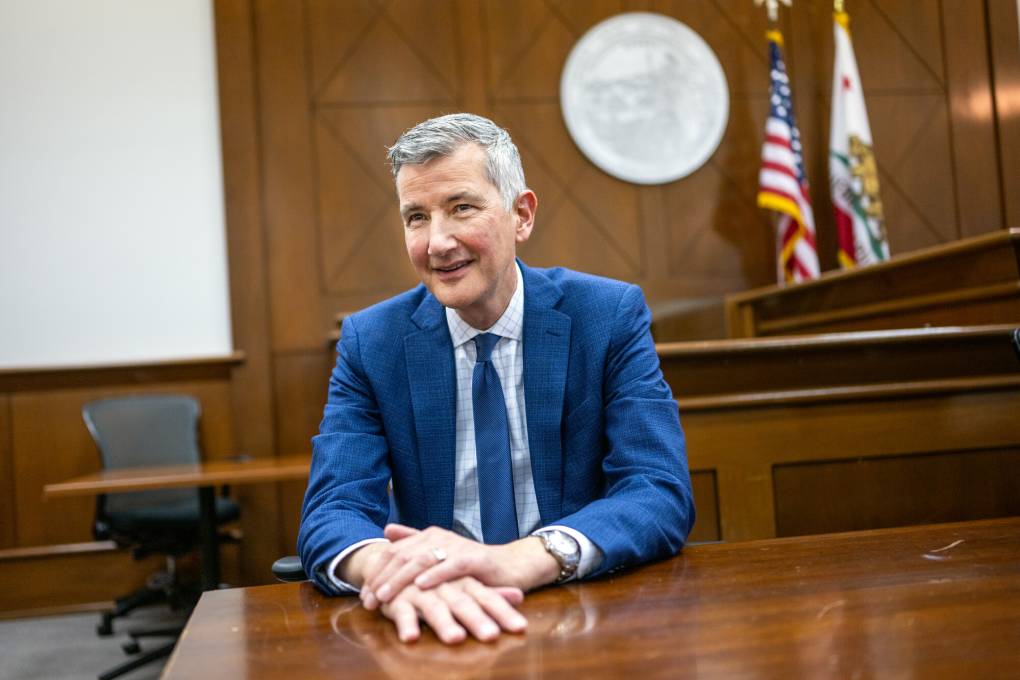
772 8
782 181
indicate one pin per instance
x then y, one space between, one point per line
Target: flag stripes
783 186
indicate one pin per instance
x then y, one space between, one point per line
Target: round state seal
644 97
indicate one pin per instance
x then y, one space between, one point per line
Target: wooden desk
206 476
935 601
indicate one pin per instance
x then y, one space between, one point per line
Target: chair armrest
288 569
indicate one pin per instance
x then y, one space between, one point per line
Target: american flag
783 184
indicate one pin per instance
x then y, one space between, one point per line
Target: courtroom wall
313 91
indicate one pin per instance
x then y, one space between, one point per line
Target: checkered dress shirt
508 359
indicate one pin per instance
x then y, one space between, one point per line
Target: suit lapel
546 353
433 386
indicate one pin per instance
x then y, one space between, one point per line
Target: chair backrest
144 430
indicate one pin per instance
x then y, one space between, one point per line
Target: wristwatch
564 548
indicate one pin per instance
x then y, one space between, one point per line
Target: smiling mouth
452 267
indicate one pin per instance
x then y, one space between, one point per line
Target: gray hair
440 137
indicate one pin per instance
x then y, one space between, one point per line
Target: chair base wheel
131 647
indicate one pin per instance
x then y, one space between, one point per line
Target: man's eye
415 219
462 207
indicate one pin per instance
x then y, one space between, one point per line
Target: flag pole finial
838 6
772 7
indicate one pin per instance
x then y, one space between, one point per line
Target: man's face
460 239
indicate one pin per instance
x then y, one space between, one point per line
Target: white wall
112 245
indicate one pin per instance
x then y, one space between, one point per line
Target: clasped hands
454 584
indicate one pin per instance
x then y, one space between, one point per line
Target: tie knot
484 342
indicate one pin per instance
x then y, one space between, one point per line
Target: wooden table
934 601
205 476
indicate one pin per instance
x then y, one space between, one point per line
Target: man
521 414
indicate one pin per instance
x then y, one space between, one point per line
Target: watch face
564 545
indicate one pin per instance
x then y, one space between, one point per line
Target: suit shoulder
387 317
584 289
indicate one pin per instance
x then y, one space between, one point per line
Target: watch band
568 560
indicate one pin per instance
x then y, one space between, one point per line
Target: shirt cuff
591 555
343 586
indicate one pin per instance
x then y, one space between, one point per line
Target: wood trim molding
917 302
57 550
831 340
171 370
967 246
83 608
919 388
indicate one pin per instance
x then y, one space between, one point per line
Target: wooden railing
974 281
849 431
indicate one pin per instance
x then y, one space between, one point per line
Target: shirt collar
509 325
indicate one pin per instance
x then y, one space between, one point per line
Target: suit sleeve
346 500
647 508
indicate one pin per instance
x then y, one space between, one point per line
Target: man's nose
441 236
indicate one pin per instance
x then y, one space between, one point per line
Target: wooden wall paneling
586 220
900 54
706 502
1004 36
50 444
471 50
846 495
354 114
287 174
338 81
38 581
302 384
251 384
743 443
8 518
725 239
975 152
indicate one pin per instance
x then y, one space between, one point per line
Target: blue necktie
492 447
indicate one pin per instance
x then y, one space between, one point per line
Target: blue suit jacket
607 450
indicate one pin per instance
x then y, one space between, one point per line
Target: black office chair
141 431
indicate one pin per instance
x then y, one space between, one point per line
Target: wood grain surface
212 473
967 282
935 602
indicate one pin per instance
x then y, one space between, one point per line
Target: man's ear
524 210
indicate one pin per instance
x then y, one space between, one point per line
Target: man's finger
403 576
389 562
404 615
437 614
497 606
447 570
468 612
396 532
512 595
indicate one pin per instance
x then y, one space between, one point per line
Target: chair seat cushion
182 515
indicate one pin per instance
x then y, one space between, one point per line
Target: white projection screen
112 236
